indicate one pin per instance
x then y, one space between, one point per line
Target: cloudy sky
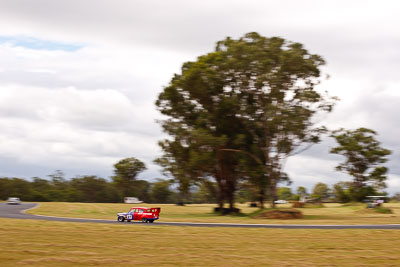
78 79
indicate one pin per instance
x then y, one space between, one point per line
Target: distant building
132 200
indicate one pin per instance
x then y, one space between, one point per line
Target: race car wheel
144 220
121 219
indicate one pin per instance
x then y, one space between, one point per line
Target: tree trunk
229 177
220 193
231 202
218 178
262 197
273 192
268 164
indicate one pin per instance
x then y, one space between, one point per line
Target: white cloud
394 182
69 126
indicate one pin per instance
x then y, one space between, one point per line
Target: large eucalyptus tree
252 99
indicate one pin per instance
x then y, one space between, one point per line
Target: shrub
280 214
383 210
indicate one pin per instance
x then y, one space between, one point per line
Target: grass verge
329 214
46 243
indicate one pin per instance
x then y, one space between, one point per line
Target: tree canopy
320 192
126 171
364 159
284 193
240 110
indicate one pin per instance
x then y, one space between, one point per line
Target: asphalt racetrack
17 212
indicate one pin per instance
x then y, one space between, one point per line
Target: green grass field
45 243
329 214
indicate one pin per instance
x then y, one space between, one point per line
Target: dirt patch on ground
281 214
298 204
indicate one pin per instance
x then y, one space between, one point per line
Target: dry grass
329 214
45 243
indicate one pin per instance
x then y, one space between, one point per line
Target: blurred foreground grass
329 214
46 243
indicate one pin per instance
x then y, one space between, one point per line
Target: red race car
140 214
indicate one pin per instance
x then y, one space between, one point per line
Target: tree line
91 188
342 192
99 190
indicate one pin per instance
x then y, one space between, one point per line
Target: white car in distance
13 201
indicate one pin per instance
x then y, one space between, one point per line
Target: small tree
301 194
284 193
341 191
320 192
126 171
364 157
301 191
